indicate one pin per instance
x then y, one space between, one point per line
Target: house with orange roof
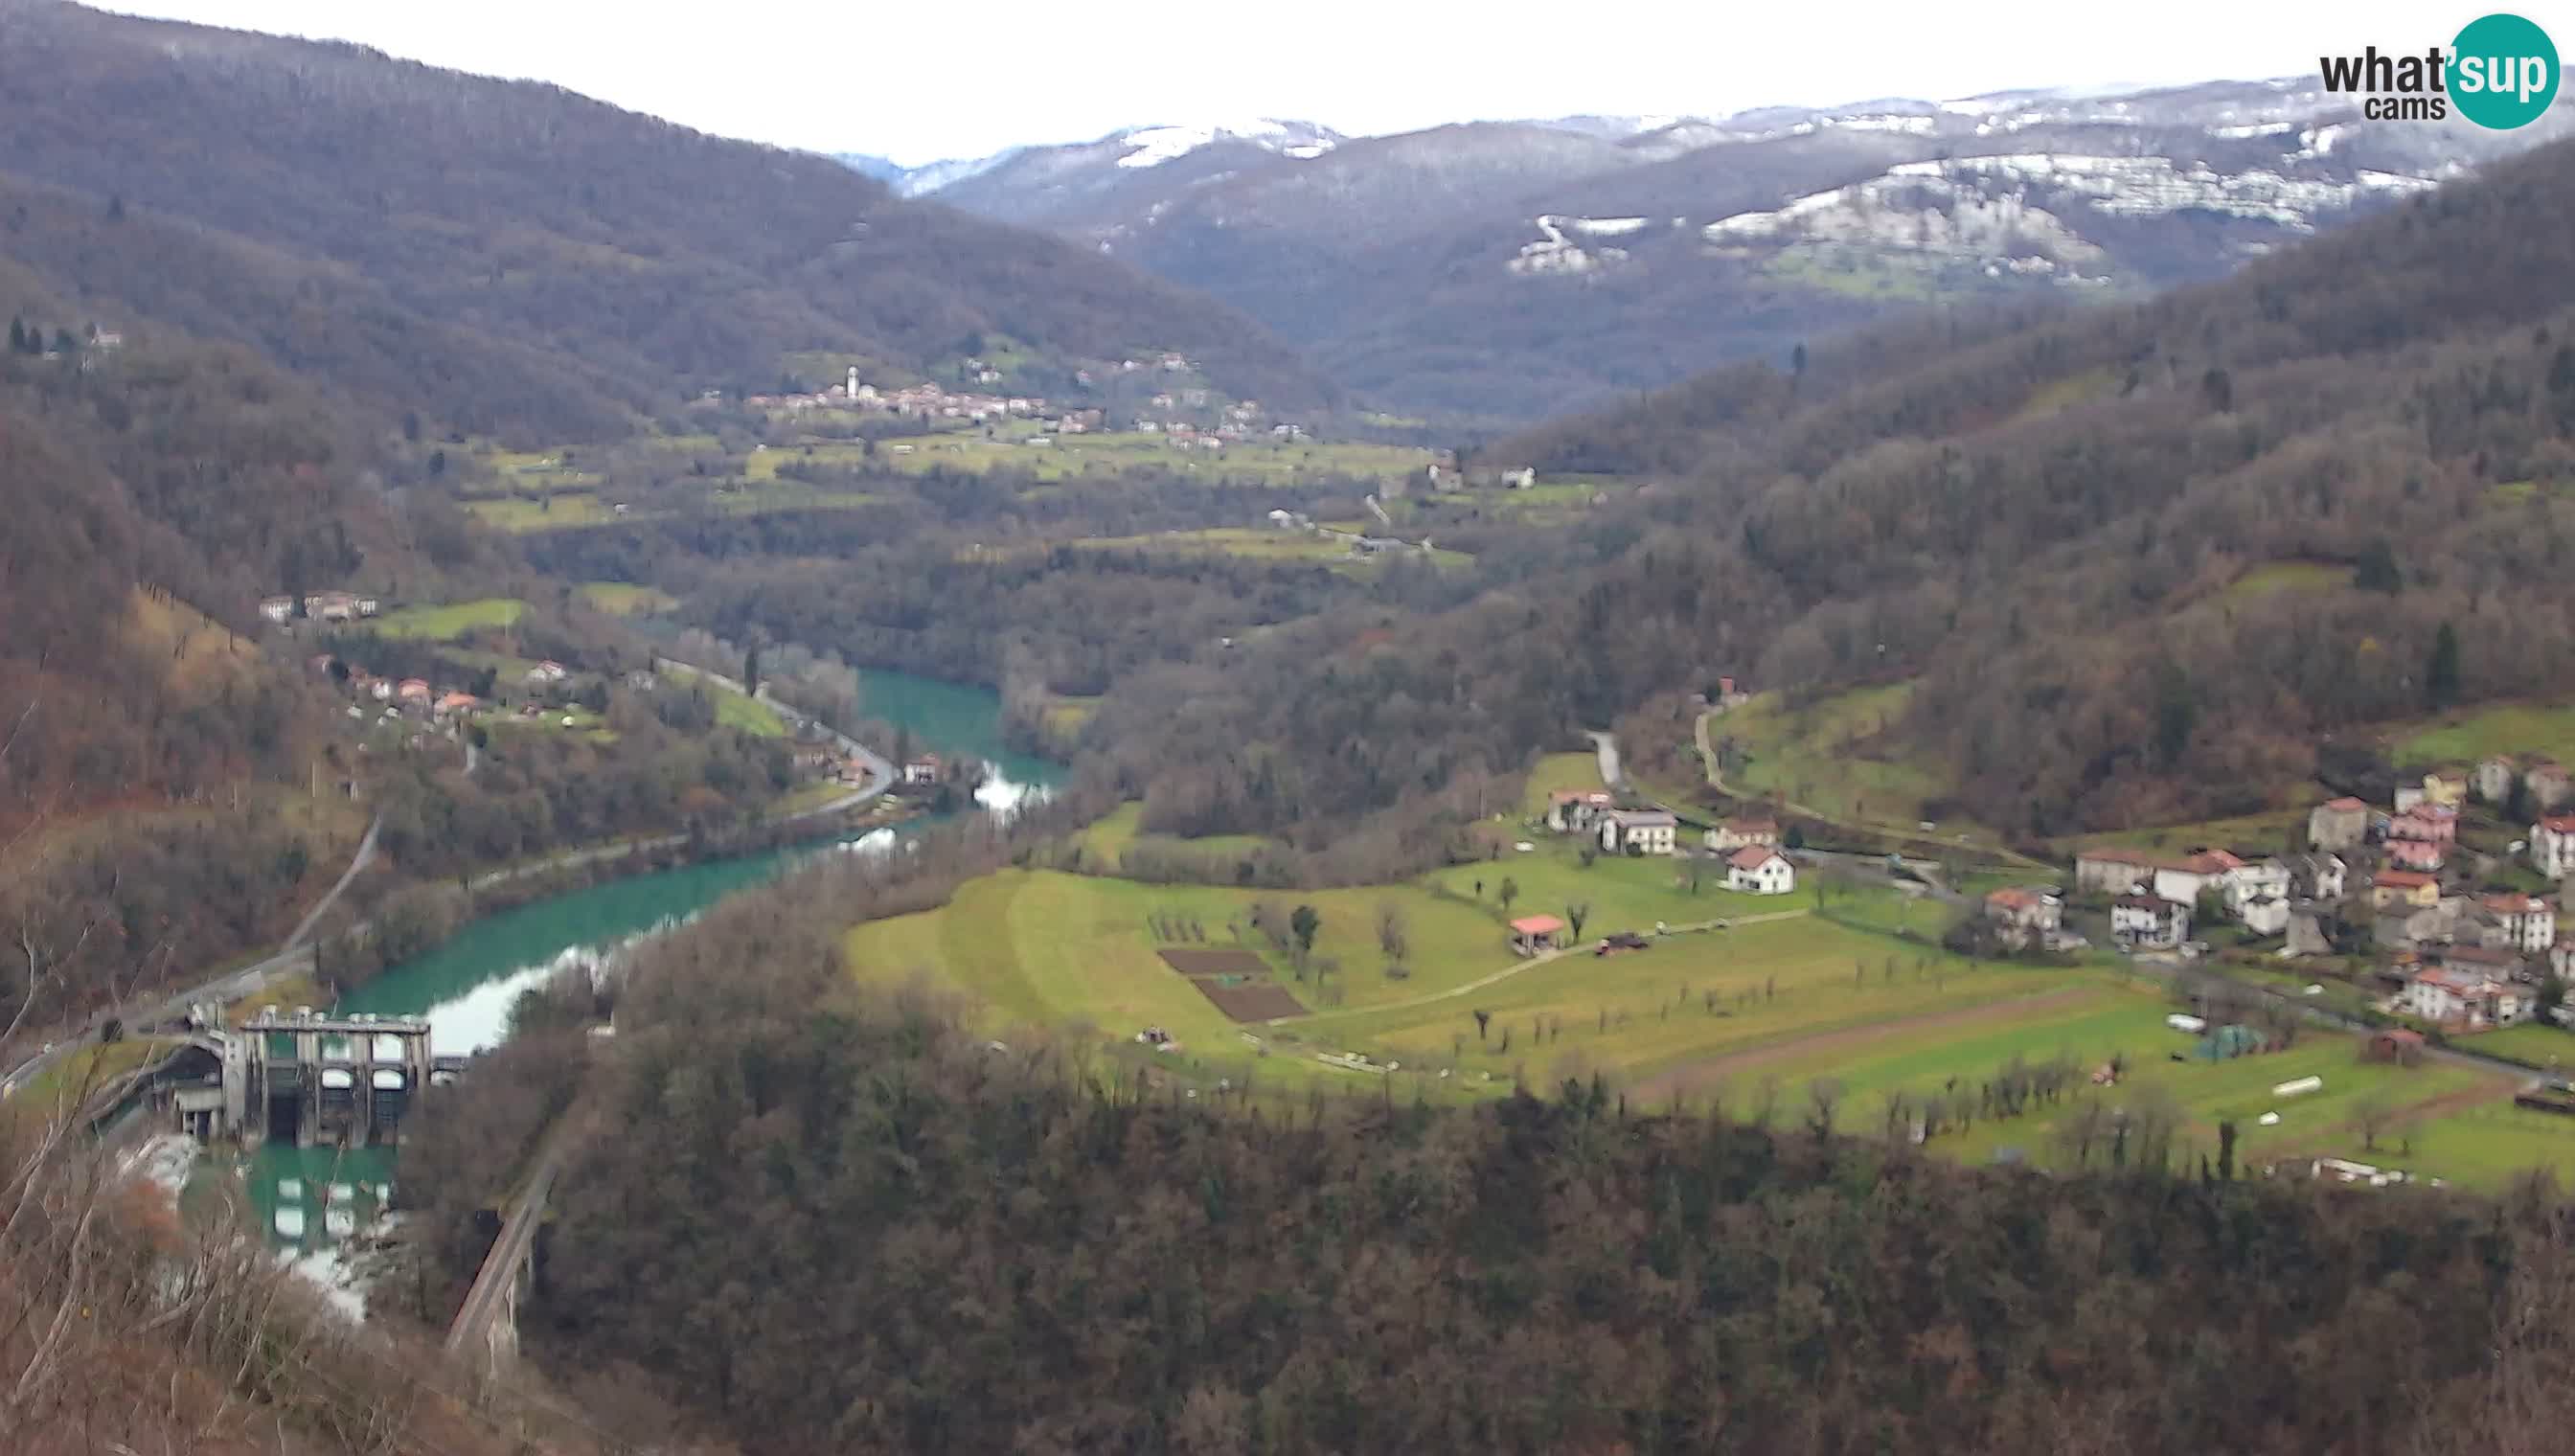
2021 915
2404 890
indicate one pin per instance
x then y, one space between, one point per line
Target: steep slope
2043 521
1520 270
623 246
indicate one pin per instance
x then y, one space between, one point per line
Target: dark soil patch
1251 1002
1215 962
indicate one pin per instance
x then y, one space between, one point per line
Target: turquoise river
309 1198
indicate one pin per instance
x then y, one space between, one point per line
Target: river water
309 1197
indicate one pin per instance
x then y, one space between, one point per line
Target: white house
2266 914
1741 834
2259 880
2183 879
277 609
2150 922
1638 831
2320 875
2528 923
923 769
2494 777
1759 869
2450 997
2552 846
1574 811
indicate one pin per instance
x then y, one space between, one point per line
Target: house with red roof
2184 879
1759 869
2463 997
2525 922
2412 853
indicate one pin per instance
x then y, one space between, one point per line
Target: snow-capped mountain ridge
1506 269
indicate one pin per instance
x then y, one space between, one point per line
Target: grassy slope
624 599
2515 728
1816 755
1110 836
1558 771
450 621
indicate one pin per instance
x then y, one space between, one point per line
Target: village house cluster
1748 847
320 607
2453 954
938 404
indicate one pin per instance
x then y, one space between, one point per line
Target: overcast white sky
918 82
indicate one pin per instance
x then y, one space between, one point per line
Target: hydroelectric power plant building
306 1079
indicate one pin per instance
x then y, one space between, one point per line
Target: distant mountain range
508 258
1511 270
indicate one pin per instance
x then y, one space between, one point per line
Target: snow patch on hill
1918 211
1156 145
1554 252
2154 186
2030 205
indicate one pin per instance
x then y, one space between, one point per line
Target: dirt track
1698 1076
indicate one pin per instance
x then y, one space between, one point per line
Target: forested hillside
862 1227
2035 521
445 238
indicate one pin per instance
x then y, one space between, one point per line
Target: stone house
2338 824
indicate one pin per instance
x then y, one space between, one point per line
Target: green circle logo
2503 72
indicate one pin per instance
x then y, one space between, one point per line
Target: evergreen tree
2441 678
17 336
2376 571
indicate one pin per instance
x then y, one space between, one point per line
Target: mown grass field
1763 1012
2486 1146
1052 949
1257 462
1621 893
2532 1041
734 710
2273 578
450 621
2522 729
1670 1021
1106 838
552 513
625 598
